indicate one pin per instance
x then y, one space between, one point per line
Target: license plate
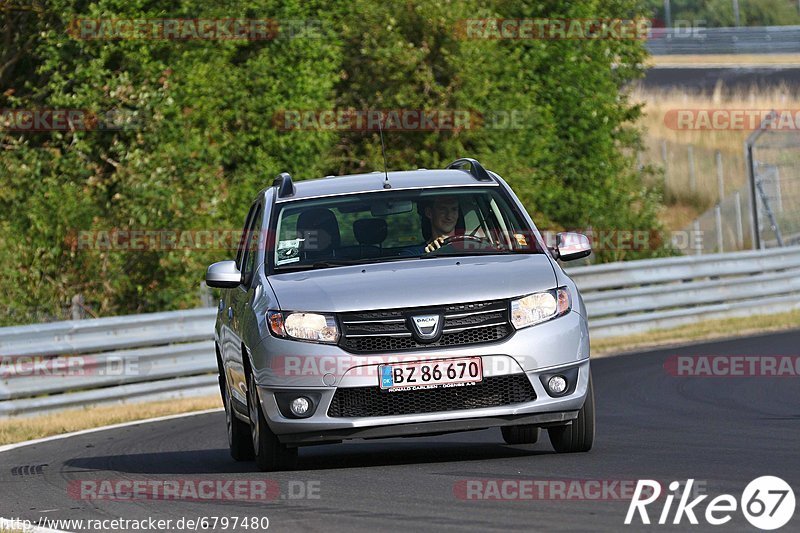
431 374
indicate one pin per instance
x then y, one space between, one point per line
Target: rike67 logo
767 503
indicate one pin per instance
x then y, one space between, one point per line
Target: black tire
239 440
578 436
526 434
270 453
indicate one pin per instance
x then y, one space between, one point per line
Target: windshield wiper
435 253
328 263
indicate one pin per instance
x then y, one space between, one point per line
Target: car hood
413 283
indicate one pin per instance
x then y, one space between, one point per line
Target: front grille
388 331
493 391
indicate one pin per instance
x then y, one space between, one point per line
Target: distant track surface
723 432
704 80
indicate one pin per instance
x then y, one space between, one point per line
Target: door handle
230 313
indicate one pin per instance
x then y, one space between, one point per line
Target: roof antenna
386 184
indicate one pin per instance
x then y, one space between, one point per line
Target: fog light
557 384
300 406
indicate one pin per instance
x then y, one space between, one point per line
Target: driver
443 215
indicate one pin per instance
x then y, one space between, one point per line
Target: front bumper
556 345
425 428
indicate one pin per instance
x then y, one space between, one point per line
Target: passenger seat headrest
320 229
370 231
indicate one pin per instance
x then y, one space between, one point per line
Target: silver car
399 304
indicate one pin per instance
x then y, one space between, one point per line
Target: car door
228 337
241 311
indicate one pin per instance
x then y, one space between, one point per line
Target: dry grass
727 60
659 134
22 429
659 103
706 330
675 216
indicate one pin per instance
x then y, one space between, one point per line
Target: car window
251 250
393 224
243 238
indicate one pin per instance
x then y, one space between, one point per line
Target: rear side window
251 250
243 239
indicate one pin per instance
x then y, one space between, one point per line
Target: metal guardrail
168 355
153 356
638 296
748 40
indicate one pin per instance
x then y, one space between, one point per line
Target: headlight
304 326
539 307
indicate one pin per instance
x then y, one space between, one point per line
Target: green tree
196 138
198 143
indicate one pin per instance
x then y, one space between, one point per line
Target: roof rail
284 183
475 168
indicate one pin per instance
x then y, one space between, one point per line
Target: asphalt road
722 432
735 80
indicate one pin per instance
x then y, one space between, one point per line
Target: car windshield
398 225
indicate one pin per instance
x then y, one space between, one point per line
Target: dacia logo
426 326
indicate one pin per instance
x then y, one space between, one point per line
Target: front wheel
239 441
578 436
271 453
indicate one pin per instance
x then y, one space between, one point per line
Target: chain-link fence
702 177
775 183
772 170
695 174
724 228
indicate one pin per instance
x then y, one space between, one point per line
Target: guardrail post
206 296
749 144
698 239
739 226
77 308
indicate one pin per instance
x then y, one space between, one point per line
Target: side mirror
223 275
572 246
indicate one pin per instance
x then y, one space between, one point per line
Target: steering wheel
452 239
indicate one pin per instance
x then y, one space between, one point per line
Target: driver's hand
435 244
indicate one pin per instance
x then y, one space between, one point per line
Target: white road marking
8 524
16 445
